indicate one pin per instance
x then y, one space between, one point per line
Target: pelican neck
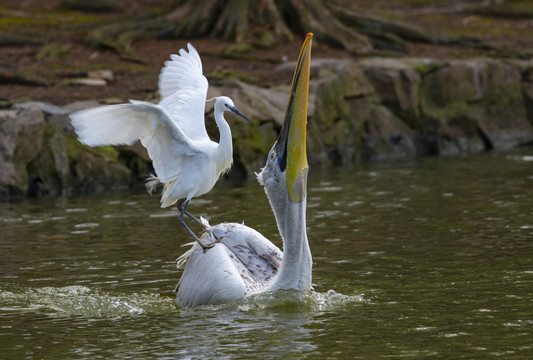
296 267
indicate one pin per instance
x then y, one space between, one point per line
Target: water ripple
86 225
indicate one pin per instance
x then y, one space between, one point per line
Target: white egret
185 159
243 262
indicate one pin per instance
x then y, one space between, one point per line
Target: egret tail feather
151 183
166 198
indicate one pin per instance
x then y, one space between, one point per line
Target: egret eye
272 156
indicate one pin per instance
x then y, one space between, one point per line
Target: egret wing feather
183 91
109 125
166 144
182 71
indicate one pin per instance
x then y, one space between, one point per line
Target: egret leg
182 222
184 211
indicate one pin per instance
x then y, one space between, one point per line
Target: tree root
243 21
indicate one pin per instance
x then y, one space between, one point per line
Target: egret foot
205 247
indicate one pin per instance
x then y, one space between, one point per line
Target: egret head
224 103
285 172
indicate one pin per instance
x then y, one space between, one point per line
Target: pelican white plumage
243 262
185 159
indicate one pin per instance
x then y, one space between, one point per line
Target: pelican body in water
243 262
173 132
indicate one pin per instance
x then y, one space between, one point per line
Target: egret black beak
291 142
236 111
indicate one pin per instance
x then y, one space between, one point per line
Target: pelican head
285 171
224 103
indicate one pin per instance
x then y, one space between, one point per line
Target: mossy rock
264 39
96 173
237 50
136 159
54 50
251 142
488 92
30 127
220 77
21 134
51 166
447 92
424 66
96 168
385 136
329 97
527 89
62 163
398 86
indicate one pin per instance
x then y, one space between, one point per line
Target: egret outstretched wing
183 91
109 125
126 123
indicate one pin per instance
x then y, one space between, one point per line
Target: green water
425 259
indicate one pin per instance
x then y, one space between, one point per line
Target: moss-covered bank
359 111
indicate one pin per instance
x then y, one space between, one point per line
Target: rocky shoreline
372 109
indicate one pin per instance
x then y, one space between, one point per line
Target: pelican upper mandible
243 262
185 159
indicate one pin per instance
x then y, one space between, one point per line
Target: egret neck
225 144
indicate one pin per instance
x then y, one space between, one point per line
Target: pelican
241 261
185 159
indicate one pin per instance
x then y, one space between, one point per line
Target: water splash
288 301
83 301
77 300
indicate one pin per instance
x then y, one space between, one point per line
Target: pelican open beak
292 138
